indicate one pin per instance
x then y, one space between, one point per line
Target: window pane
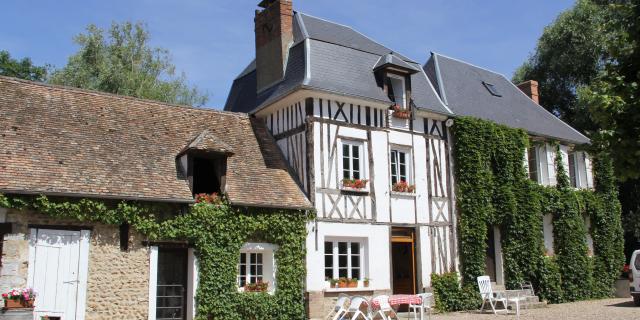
328 273
342 248
342 261
328 247
346 150
403 157
259 257
342 273
355 273
403 172
572 170
356 152
259 272
355 248
533 164
252 269
328 261
243 258
355 261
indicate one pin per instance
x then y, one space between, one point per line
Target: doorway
171 294
58 272
403 262
491 258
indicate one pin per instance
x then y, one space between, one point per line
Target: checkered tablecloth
399 299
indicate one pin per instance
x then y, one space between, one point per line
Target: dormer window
397 90
204 164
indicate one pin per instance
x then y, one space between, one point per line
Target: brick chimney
530 88
274 34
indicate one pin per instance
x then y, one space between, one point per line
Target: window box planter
257 287
400 113
366 282
355 185
19 298
352 283
343 283
403 187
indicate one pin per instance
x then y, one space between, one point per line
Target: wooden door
55 272
403 261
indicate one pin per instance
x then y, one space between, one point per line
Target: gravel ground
584 310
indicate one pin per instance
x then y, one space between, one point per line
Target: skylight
492 89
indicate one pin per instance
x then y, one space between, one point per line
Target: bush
451 296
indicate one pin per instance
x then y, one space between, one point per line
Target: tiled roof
64 141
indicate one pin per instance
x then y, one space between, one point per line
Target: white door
55 272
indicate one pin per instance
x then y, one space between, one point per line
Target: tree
23 69
123 62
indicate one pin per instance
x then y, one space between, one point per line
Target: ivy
494 190
217 232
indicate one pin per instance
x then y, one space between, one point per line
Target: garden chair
488 296
355 311
528 291
339 309
385 311
426 305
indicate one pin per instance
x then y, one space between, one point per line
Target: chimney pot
530 88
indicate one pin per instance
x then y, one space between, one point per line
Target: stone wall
118 282
321 303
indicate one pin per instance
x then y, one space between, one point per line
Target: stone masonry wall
118 282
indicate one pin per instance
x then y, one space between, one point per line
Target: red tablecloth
398 299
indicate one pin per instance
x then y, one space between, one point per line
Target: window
250 268
352 160
206 179
397 90
492 89
637 262
573 169
532 157
342 259
171 291
399 166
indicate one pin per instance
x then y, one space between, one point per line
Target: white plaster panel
353 133
380 151
400 138
403 209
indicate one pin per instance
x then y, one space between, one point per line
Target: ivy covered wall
217 232
494 190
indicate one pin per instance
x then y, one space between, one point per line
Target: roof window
492 89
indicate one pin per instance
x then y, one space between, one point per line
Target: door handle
71 281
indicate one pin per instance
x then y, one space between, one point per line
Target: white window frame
336 260
536 161
361 160
408 164
396 77
268 263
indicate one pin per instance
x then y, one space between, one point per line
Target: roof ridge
356 31
123 97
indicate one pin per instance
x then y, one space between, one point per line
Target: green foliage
23 69
451 296
493 189
122 62
217 233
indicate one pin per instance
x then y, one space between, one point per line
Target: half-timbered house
366 132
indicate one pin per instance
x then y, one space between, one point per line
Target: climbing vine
217 232
494 190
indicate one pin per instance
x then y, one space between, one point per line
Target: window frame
335 258
363 172
267 250
408 164
574 173
403 81
535 151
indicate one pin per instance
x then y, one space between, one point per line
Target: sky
211 41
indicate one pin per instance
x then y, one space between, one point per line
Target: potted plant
19 298
333 283
403 186
343 283
400 113
366 282
356 184
352 283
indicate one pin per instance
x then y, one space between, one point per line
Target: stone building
74 144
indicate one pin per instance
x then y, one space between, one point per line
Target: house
72 145
366 131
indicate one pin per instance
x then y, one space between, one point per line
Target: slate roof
461 87
391 60
72 142
333 58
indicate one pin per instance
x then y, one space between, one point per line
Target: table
400 299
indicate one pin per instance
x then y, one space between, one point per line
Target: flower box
343 283
19 298
256 287
400 113
403 186
357 185
352 283
213 198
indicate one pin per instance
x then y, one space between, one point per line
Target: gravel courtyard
584 310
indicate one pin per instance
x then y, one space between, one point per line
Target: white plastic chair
339 309
355 309
385 311
425 305
487 294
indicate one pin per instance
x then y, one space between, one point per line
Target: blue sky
211 41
